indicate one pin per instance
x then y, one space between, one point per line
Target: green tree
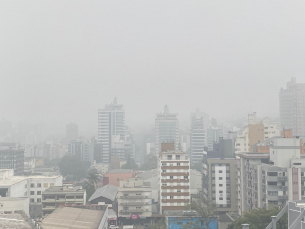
206 211
90 184
130 164
70 165
159 225
260 218
151 162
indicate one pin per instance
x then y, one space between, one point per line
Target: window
32 185
169 157
178 190
26 185
38 200
220 171
178 164
32 193
32 200
220 198
220 178
163 164
171 197
138 207
186 177
38 192
171 177
164 185
164 171
45 185
51 184
177 157
220 185
39 185
138 194
220 191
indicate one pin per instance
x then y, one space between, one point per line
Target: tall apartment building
60 196
166 129
292 107
174 180
213 135
71 131
273 178
255 132
134 198
219 180
12 157
111 122
82 149
198 137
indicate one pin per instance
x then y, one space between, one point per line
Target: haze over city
61 61
152 114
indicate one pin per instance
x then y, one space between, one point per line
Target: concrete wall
14 204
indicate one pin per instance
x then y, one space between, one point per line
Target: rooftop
65 189
16 179
120 171
76 218
4 199
108 191
13 221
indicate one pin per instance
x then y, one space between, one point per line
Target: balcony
284 188
175 187
134 203
133 211
283 197
282 178
48 200
133 197
175 174
303 178
175 180
175 194
272 198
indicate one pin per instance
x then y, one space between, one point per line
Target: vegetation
72 166
151 162
206 212
159 225
90 184
130 164
260 218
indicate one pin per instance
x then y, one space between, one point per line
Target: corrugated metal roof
108 191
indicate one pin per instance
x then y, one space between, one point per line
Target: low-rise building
10 205
134 198
77 217
59 196
101 168
116 175
106 194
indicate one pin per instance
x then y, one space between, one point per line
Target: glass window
32 185
45 185
39 185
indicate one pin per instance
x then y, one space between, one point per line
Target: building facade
134 198
59 196
111 122
292 107
166 129
12 157
71 131
198 137
174 180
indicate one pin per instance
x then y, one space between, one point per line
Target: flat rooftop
64 189
76 218
14 221
16 179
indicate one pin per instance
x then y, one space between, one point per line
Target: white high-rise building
111 121
292 107
166 129
198 136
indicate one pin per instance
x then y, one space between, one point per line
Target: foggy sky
62 60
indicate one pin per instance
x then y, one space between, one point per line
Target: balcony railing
282 178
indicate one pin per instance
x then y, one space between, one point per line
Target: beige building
134 198
60 196
174 180
255 132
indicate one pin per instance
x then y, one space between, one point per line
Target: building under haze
198 137
71 131
166 129
292 107
111 123
12 157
